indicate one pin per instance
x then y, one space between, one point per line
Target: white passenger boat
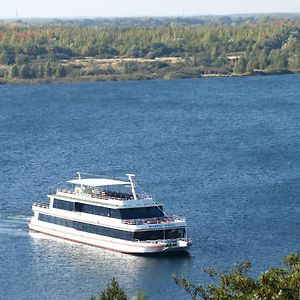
98 212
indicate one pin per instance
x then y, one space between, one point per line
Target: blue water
223 152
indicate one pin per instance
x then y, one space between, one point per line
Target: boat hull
119 245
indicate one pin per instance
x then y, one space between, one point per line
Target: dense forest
113 49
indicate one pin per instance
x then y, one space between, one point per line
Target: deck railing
168 241
105 195
164 220
41 205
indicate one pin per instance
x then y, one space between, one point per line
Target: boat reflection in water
82 270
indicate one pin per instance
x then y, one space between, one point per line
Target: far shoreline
134 77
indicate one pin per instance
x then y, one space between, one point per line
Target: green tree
250 66
3 73
214 51
262 60
115 292
25 71
139 296
7 55
240 65
160 49
60 71
278 60
14 72
40 71
112 292
48 70
276 283
294 61
89 50
22 59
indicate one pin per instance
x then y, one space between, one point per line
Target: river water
224 152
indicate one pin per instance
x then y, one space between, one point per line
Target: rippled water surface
223 152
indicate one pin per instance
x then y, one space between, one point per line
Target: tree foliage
222 47
112 292
275 283
115 292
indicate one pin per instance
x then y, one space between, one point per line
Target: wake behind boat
100 212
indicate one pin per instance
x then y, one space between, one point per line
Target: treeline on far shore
48 51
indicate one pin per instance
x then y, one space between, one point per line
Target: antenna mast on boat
79 177
132 185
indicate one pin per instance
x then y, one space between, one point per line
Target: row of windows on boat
115 233
123 213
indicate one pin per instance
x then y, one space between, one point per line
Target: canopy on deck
94 182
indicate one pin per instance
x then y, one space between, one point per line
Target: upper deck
98 190
106 198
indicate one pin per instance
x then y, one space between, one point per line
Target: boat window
65 205
116 233
159 234
142 212
78 206
110 232
95 210
115 213
86 208
124 213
